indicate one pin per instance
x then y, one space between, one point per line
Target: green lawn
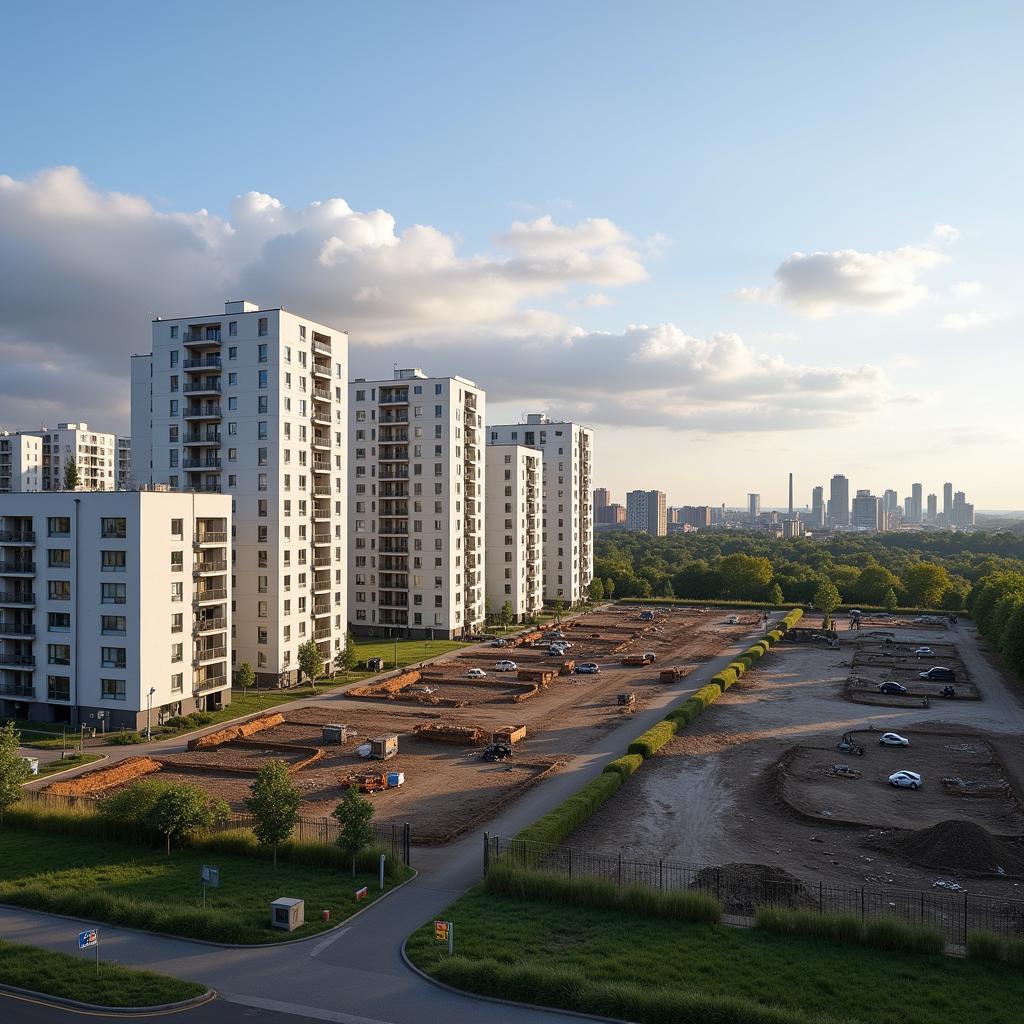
141 887
75 977
805 977
63 764
410 652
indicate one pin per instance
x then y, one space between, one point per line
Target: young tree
355 815
245 677
558 608
775 597
71 477
311 662
180 810
14 768
349 657
596 590
609 588
889 602
507 616
274 803
827 599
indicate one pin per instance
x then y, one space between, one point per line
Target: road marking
335 1016
321 946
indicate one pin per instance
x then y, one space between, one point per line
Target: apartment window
263 378
113 561
58 688
177 623
233 328
172 458
232 429
261 405
261 430
172 407
177 561
113 625
261 483
261 609
261 584
232 481
438 410
177 653
112 657
174 331
58 590
59 622
232 454
59 558
261 534
174 378
261 327
261 507
261 456
261 634
232 379
113 689
58 654
232 352
58 526
176 591
177 682
114 527
177 529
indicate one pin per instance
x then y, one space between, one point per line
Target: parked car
939 674
891 686
650 657
588 668
476 673
733 620
499 643
924 652
505 666
905 780
893 739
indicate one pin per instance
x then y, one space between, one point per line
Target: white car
505 666
476 673
499 643
733 620
905 780
893 739
924 652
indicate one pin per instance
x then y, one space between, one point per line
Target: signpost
211 877
444 931
88 939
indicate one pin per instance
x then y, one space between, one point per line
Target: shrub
683 905
1013 952
902 937
562 820
685 714
649 743
985 946
882 932
706 695
124 738
625 765
739 667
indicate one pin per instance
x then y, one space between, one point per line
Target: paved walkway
355 974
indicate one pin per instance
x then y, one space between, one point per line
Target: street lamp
149 711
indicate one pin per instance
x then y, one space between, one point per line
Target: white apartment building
252 403
514 570
568 512
416 493
21 462
646 512
94 454
107 596
124 463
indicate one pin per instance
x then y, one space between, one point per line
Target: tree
349 657
355 816
775 597
666 589
311 662
71 478
180 810
744 576
245 676
274 804
889 602
609 588
14 768
926 584
874 583
559 607
827 599
507 616
596 590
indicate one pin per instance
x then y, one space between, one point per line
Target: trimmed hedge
685 714
564 819
647 744
625 765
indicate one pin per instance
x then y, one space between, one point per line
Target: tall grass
988 946
882 932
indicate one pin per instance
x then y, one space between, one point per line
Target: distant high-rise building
605 513
698 516
867 512
753 506
947 503
916 509
602 498
908 509
933 509
839 501
817 517
645 512
890 501
790 495
963 512
124 463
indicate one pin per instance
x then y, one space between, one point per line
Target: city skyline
827 304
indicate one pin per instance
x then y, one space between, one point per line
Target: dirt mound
744 887
96 782
957 845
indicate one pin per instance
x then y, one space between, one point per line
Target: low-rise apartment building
21 462
115 606
514 530
43 466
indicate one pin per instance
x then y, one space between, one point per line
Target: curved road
355 974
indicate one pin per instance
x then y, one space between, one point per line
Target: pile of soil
957 845
744 887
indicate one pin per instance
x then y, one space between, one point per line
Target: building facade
252 403
839 501
868 512
21 462
646 513
94 454
568 511
124 463
115 607
416 495
513 528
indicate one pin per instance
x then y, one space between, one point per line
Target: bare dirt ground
876 661
711 795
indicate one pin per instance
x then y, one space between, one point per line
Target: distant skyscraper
645 512
753 505
947 502
915 504
817 520
933 509
790 495
867 512
602 498
890 501
908 509
839 501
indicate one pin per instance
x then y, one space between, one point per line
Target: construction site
442 749
784 776
879 657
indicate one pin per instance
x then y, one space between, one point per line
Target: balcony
321 608
320 348
18 690
321 394
208 654
321 465
397 416
17 599
209 565
321 512
322 370
321 490
393 603
394 396
210 683
17 629
20 568
210 462
394 471
201 363
210 625
321 540
202 412
323 633
25 538
321 442
321 561
393 529
202 336
202 387
205 488
18 662
210 537
210 596
212 437
397 546
320 416
321 586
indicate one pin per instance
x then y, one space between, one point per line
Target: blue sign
88 938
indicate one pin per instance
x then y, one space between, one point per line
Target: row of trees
311 663
997 606
748 567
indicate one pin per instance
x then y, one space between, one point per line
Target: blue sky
718 139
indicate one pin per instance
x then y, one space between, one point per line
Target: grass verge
76 977
656 971
63 764
138 887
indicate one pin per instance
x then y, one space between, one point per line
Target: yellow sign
441 931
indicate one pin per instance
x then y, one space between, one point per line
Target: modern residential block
21 462
416 493
513 529
124 463
568 512
252 403
646 513
868 512
107 596
839 501
42 466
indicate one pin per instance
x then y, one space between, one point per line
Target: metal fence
743 889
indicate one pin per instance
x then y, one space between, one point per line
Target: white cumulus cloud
965 321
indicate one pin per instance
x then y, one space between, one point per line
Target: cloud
821 284
597 299
965 321
965 289
902 360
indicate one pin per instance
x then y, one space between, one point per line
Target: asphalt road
355 974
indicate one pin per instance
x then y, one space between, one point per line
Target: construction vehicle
848 745
509 735
638 659
626 699
671 675
368 782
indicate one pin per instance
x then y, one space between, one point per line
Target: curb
344 922
74 768
503 1002
130 1011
